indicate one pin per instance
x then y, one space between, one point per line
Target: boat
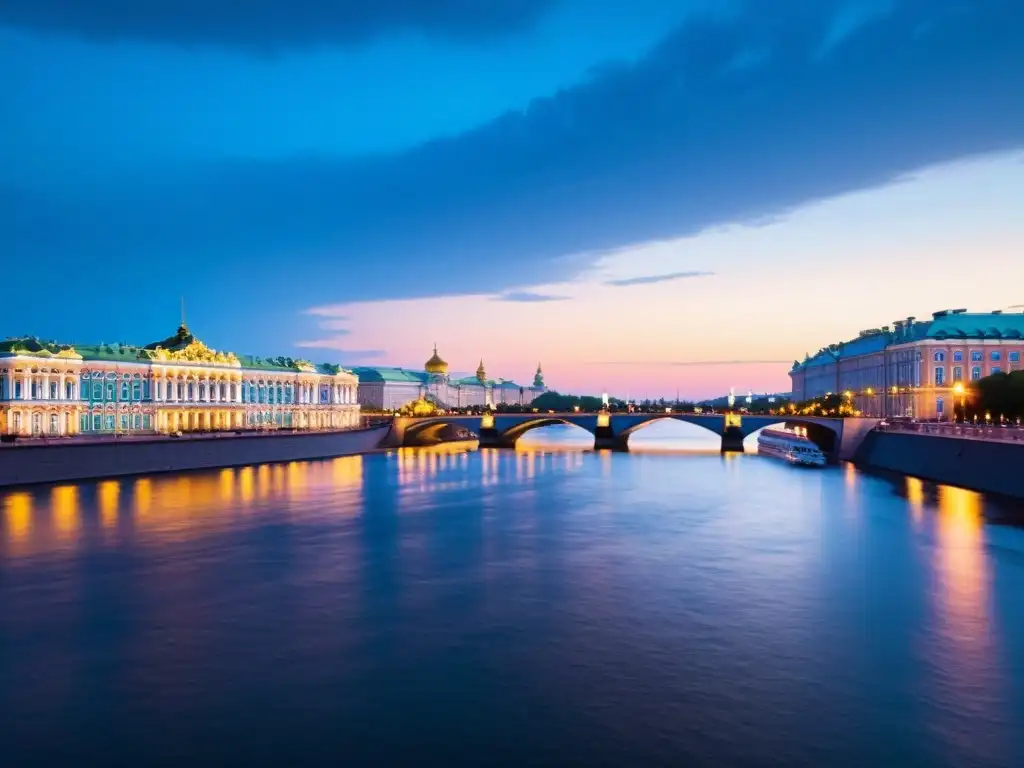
791 445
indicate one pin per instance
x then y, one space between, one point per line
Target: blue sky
264 160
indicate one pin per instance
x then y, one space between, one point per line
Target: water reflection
162 507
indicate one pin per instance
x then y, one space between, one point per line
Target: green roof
391 375
949 325
961 325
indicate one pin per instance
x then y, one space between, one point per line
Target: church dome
435 364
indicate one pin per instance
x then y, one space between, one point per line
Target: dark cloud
266 25
679 141
528 297
649 279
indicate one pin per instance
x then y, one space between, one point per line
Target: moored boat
791 446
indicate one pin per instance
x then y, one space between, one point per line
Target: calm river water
541 607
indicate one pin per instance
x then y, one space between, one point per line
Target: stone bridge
837 437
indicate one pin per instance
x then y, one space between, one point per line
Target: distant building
912 368
176 384
384 388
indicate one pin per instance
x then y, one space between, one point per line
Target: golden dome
435 364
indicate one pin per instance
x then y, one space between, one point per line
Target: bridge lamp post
870 402
958 390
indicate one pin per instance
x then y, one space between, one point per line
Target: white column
44 394
26 388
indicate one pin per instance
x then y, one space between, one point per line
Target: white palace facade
174 385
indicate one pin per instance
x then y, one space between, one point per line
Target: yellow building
176 384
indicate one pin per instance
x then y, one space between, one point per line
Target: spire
481 374
183 327
538 379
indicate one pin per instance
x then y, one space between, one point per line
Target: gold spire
481 374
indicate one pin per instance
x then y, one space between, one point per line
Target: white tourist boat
791 445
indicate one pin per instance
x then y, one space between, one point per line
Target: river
546 606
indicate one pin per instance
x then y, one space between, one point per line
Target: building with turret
386 388
914 368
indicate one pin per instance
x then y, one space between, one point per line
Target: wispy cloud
702 363
528 297
649 279
338 347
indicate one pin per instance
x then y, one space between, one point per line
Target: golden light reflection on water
166 508
915 497
108 495
66 519
17 510
962 565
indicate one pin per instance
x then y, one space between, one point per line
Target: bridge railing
999 432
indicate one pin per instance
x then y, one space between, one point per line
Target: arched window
975 373
940 357
958 356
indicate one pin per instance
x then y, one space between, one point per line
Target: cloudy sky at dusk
644 195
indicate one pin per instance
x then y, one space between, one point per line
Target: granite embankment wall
982 465
63 462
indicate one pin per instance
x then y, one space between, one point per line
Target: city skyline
674 196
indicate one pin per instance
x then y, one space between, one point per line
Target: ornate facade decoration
175 385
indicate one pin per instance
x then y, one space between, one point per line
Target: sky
646 197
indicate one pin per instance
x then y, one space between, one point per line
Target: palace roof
182 347
950 325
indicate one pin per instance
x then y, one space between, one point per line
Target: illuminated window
940 376
996 355
1014 357
940 357
958 373
996 369
977 355
975 373
958 356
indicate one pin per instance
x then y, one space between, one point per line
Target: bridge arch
511 435
827 438
421 433
709 427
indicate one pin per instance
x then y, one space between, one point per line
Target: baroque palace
177 384
391 388
915 368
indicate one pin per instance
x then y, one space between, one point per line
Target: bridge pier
490 438
605 439
732 440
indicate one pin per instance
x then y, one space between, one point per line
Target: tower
481 374
538 378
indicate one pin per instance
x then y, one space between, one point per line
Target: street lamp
958 389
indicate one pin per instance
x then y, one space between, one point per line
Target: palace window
996 369
136 390
17 390
975 373
940 406
191 392
54 424
17 422
110 392
958 373
1014 357
958 356
280 393
97 422
940 376
108 422
124 421
83 424
270 395
54 390
69 390
977 355
146 423
124 391
940 357
996 355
